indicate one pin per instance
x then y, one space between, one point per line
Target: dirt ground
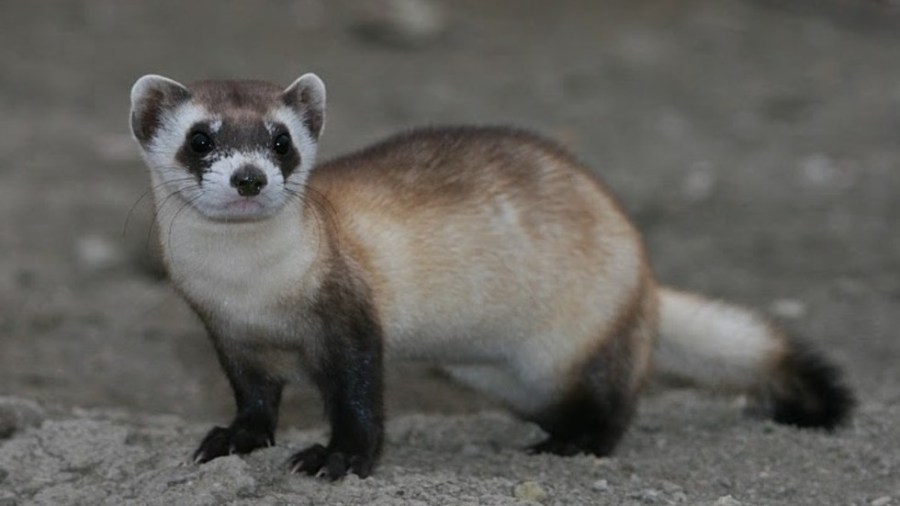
757 145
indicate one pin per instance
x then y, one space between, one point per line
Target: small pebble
671 488
401 23
96 252
789 308
648 496
600 486
881 501
530 491
727 501
470 449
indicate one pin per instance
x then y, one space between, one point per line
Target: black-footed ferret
490 251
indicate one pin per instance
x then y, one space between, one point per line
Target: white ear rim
308 81
141 93
315 92
151 82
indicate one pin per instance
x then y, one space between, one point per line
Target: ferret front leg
350 380
257 397
348 372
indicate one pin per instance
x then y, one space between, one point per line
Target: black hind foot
581 431
809 391
591 419
568 448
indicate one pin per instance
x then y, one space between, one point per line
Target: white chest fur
246 277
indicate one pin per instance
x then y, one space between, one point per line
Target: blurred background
755 142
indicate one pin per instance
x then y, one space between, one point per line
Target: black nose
248 180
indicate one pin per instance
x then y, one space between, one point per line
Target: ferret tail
719 346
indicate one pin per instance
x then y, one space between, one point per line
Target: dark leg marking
594 415
257 397
349 374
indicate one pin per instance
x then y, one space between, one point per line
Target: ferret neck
193 244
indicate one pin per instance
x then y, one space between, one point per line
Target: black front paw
237 439
333 464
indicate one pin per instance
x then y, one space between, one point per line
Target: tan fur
492 247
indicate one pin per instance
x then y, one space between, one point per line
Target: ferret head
233 150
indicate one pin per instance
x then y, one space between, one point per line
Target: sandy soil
755 144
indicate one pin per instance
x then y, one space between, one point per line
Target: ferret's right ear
151 96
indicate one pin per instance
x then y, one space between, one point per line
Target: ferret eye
201 143
282 144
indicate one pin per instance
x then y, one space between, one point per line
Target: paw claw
308 461
333 465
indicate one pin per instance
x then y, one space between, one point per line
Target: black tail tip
810 391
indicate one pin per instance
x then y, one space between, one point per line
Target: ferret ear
151 96
306 96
